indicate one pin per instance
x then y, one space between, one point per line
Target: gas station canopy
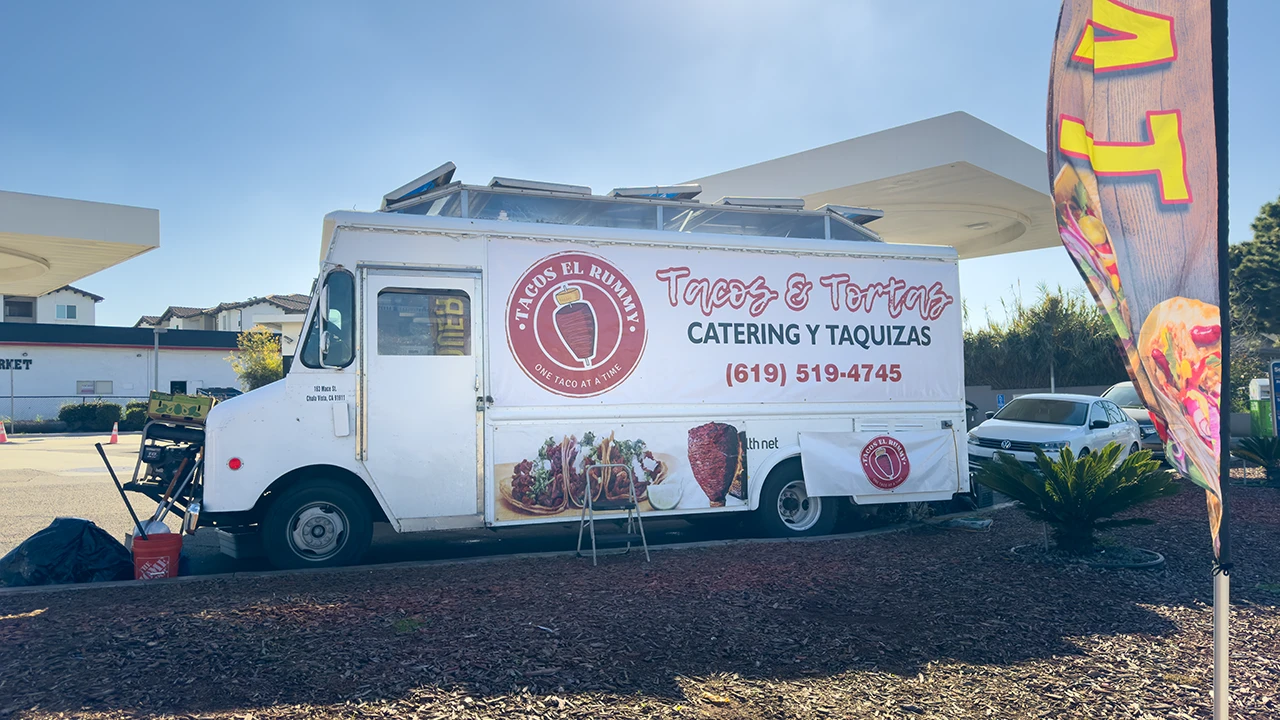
48 242
948 180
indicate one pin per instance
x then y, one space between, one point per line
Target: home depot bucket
157 556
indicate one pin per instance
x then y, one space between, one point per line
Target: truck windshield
339 327
1043 410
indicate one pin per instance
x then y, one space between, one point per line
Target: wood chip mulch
928 623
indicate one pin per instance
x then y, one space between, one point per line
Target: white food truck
474 354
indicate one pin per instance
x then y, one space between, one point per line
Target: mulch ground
928 623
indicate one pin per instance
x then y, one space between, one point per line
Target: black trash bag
70 550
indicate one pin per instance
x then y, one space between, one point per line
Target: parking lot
43 477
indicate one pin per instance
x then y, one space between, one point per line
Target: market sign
1133 167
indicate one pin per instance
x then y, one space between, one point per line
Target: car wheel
320 523
1083 452
786 510
1134 448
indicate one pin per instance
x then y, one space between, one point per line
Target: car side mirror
1099 424
991 414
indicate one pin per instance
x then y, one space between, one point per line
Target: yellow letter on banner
1164 155
1134 38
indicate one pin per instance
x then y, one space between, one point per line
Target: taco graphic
1180 347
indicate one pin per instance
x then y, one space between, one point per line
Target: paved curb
26 436
890 529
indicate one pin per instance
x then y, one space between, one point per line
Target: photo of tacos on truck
558 478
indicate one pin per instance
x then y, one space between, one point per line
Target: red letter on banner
1164 155
1135 38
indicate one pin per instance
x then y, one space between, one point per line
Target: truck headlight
973 439
1062 445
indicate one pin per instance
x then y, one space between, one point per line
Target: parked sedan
1051 422
1126 397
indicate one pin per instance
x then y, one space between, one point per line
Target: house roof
290 303
91 296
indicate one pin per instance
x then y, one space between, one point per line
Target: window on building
94 387
19 309
424 322
66 312
177 387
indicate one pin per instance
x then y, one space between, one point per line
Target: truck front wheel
317 523
786 510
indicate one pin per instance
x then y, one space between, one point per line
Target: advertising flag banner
1133 167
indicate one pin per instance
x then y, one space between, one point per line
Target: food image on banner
1133 172
672 465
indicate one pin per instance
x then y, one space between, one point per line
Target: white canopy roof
48 242
949 180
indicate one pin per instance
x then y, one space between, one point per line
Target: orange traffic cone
4 437
115 434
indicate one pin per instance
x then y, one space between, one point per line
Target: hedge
95 416
135 416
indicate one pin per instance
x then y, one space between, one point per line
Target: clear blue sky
244 123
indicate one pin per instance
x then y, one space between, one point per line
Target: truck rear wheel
317 523
786 510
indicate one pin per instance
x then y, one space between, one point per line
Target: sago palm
1262 451
1075 496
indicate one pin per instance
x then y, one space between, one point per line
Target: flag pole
1222 566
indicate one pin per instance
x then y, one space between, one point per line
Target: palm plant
1075 496
1263 451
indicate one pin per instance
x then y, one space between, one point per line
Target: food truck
490 356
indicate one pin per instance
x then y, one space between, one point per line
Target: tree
1077 496
1061 334
259 362
1255 295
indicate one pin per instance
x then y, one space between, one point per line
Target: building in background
65 306
45 366
281 314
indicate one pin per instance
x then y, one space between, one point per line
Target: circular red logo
575 324
885 462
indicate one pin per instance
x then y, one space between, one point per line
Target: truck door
422 369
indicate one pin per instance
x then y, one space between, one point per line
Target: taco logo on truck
885 462
575 324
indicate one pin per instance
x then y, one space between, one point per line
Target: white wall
41 386
47 308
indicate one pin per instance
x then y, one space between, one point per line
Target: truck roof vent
858 215
659 192
513 184
763 202
433 180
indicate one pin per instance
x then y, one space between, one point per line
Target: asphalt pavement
43 477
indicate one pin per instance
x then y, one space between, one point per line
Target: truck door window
339 326
424 322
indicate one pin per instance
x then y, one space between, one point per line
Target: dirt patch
929 623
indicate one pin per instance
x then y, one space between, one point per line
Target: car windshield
1124 395
1042 410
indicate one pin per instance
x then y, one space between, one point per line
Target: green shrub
37 426
1263 451
1075 496
96 416
135 416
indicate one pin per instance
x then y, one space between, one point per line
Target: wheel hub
318 530
799 511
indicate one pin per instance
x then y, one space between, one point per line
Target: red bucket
157 556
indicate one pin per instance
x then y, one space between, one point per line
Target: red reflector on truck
234 463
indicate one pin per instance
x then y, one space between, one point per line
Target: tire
785 510
1083 452
299 527
1133 449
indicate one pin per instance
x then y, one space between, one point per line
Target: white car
1051 422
